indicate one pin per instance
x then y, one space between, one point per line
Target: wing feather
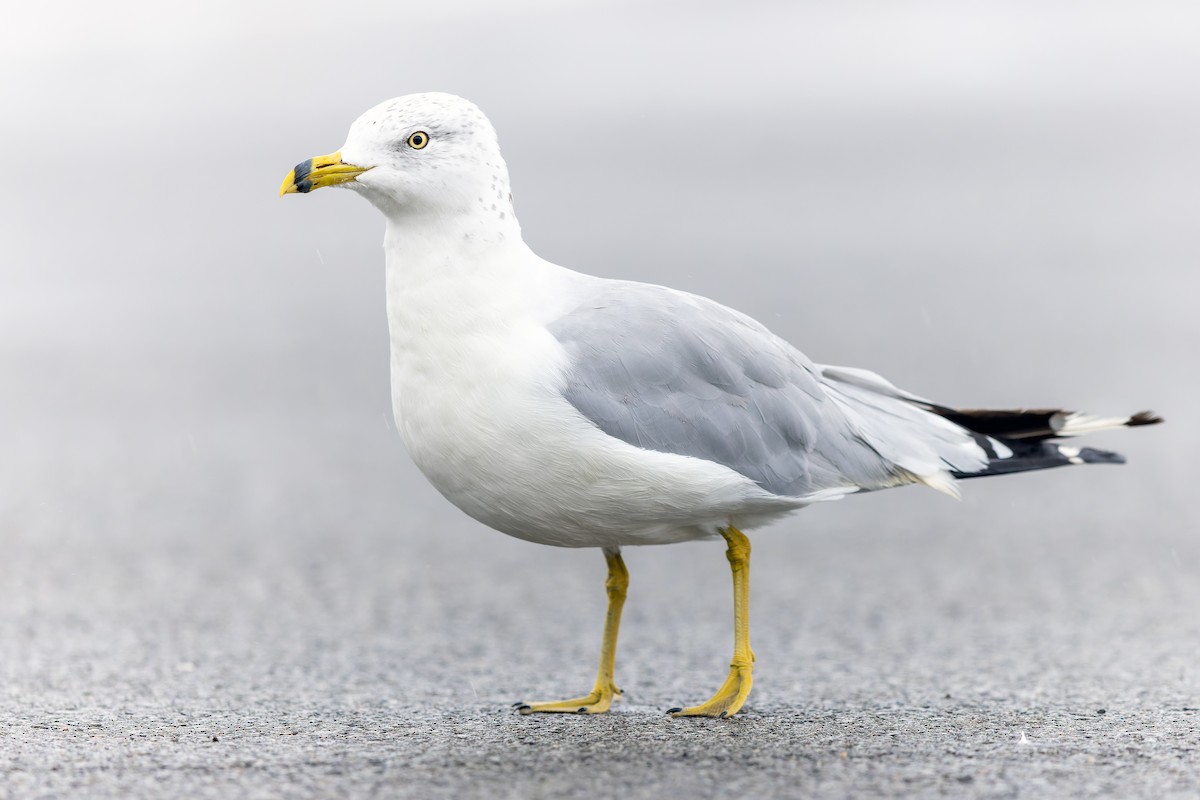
676 373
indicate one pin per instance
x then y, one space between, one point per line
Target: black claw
518 704
524 707
582 710
673 710
723 715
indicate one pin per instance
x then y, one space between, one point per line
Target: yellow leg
729 698
600 699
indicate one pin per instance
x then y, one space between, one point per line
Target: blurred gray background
220 575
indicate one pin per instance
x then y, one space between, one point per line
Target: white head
415 156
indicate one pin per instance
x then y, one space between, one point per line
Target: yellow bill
321 171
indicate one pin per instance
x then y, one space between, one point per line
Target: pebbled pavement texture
258 611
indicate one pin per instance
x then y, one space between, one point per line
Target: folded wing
676 373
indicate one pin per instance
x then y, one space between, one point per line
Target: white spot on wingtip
1071 454
1000 448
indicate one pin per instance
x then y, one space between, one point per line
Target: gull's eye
418 139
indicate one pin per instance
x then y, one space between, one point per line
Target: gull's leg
729 698
601 697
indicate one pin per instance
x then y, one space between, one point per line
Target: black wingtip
1090 455
1144 418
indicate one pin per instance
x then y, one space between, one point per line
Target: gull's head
417 154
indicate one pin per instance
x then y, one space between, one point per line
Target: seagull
578 411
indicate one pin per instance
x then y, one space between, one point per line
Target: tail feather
1012 440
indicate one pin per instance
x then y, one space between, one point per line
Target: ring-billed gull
579 411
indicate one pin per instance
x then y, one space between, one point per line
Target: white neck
457 244
453 277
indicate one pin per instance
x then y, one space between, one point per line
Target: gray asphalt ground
253 612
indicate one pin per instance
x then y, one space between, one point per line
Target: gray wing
676 373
